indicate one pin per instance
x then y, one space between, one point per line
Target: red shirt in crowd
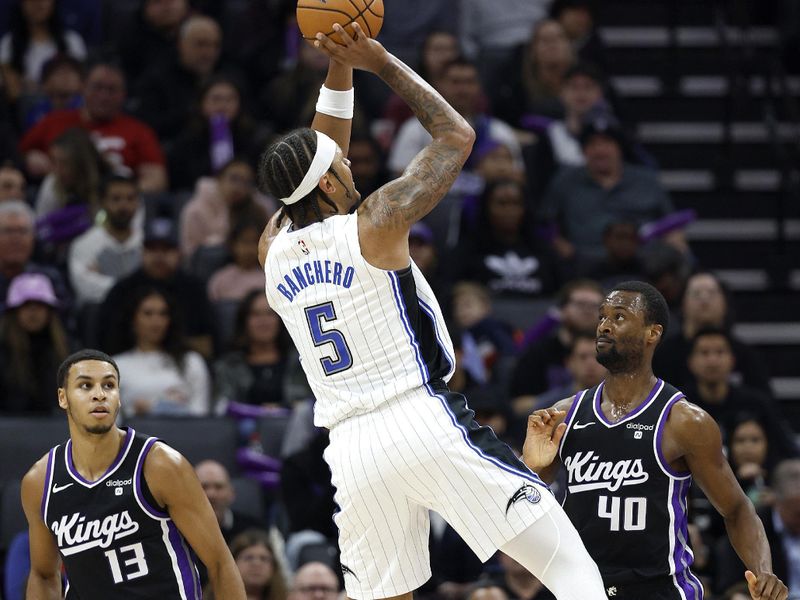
122 140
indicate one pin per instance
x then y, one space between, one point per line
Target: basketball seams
353 19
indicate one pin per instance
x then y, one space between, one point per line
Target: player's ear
62 398
326 184
656 331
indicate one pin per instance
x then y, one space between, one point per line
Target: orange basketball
314 16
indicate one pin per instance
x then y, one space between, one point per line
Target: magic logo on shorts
527 491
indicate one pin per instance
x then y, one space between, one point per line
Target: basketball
314 16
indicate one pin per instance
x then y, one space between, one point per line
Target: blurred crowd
130 217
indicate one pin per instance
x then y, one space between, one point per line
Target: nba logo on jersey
303 248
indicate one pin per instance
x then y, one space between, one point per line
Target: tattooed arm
385 217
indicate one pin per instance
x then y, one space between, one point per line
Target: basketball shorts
417 452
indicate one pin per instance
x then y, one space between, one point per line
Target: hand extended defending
360 52
545 430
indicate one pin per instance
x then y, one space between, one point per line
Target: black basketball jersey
113 539
626 502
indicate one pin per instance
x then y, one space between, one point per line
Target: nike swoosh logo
57 488
582 425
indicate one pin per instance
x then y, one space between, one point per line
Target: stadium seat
249 498
196 438
24 440
521 313
225 319
273 430
12 517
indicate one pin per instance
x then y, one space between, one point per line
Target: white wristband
336 103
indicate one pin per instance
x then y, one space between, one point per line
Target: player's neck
628 390
93 454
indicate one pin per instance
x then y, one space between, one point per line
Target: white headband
323 159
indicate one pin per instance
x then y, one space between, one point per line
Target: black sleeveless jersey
113 539
626 502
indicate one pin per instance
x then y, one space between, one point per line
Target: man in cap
581 201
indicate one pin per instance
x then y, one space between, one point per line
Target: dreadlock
281 170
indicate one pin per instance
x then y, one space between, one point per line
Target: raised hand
766 586
545 430
359 52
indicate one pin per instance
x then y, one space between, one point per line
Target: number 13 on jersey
318 316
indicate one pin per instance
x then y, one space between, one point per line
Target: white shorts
418 452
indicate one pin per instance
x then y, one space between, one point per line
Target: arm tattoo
435 114
427 179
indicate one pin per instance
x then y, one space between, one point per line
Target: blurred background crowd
615 141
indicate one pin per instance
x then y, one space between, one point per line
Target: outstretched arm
173 483
386 216
340 78
698 440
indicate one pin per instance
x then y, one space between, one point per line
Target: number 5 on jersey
318 316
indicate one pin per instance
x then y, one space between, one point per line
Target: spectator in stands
461 87
622 260
12 183
221 495
367 164
290 98
582 366
62 84
541 366
159 375
129 145
167 89
151 39
577 19
711 361
16 248
257 370
501 253
486 591
33 343
749 455
581 201
259 567
161 268
706 303
486 341
307 491
314 581
261 46
112 249
582 88
491 33
422 249
36 34
78 170
782 526
438 49
243 274
230 197
536 89
218 130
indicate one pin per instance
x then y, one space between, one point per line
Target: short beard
93 429
617 362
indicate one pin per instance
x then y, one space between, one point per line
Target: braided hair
281 170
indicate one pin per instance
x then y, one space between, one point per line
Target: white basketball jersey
364 335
